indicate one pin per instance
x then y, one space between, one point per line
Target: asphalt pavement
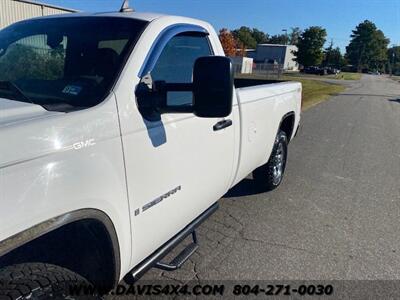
337 213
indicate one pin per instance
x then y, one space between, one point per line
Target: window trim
162 40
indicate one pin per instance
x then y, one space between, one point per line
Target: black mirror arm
155 98
164 87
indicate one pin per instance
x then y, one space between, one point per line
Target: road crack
278 245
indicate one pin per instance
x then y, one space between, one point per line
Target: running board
182 257
154 260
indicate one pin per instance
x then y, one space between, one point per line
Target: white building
242 65
277 54
12 11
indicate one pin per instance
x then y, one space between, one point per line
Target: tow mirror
212 87
212 90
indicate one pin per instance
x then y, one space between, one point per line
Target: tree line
367 50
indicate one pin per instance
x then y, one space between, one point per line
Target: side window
176 62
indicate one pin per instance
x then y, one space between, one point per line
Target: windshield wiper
11 86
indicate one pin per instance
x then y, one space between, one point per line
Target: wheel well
84 247
287 125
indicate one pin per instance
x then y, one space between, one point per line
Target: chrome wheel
279 163
270 175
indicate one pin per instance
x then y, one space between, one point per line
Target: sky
338 17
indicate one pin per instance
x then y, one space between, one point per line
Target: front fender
58 177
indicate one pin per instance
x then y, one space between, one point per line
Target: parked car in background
310 70
332 71
320 70
314 70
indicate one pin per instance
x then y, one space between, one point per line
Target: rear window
65 63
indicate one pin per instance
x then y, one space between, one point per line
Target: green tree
310 46
244 37
292 38
260 36
368 47
294 35
281 39
333 57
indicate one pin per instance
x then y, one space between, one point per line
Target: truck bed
262 105
246 82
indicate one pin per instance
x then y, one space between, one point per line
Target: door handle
222 124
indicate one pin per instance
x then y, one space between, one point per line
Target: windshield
65 63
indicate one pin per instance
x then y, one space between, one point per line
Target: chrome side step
154 260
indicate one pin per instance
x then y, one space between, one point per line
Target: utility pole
287 37
393 59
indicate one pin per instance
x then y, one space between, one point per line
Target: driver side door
177 166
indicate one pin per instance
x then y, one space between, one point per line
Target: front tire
269 176
37 281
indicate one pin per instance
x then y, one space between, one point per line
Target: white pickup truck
119 133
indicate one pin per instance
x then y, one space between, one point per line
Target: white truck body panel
46 171
111 159
261 110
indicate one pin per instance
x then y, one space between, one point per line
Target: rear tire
269 176
37 281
